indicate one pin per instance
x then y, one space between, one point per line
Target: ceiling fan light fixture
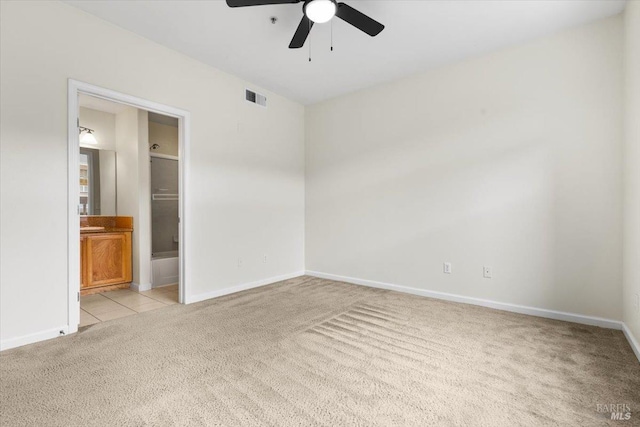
320 11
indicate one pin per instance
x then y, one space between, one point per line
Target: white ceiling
419 35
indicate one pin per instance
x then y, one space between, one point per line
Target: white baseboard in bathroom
140 288
238 288
164 286
32 338
515 308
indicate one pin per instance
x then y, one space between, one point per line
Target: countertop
105 224
106 230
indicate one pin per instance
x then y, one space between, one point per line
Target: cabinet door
108 259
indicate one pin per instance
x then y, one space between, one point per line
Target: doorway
178 233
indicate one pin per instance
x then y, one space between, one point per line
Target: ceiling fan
319 11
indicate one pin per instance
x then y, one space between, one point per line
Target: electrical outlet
239 262
264 260
486 272
446 268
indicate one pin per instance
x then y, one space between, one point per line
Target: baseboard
32 338
140 288
532 311
238 288
164 286
635 346
54 333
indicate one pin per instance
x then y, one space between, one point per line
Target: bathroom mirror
97 182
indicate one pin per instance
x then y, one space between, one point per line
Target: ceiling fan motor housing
320 11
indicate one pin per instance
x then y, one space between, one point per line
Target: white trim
243 287
140 288
184 125
184 144
32 338
515 308
635 346
73 214
164 156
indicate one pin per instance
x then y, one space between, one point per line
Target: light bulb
320 11
88 138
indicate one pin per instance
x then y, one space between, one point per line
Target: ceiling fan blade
242 3
359 20
304 28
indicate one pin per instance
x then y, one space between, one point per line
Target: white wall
165 136
108 178
631 290
133 188
104 125
141 236
511 160
246 182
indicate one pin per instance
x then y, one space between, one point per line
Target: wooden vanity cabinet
105 259
83 262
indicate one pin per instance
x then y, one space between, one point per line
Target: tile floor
124 302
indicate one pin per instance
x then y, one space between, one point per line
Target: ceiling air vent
255 98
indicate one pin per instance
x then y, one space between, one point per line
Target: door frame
75 88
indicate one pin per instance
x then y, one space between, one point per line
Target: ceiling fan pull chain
310 24
332 35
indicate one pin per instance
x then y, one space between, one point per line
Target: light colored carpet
315 352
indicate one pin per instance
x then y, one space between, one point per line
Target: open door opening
126 205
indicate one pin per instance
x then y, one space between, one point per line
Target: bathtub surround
165 269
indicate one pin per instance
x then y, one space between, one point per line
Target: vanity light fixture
88 137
